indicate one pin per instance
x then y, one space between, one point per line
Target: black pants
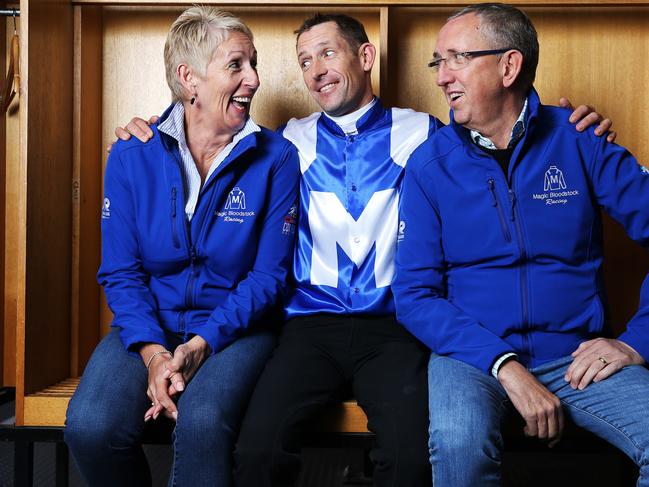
318 358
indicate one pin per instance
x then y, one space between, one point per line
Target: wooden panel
318 3
88 153
383 50
45 188
413 84
134 81
4 48
18 223
9 238
592 56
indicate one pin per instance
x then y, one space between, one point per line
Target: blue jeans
467 408
105 418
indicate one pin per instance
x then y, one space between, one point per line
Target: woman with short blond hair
197 236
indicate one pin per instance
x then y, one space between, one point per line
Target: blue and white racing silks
212 276
490 264
349 196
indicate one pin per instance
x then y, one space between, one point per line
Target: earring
191 102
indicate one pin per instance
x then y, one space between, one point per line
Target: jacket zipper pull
174 231
512 199
492 190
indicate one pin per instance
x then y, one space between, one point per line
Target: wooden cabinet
91 65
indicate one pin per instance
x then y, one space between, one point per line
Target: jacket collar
364 123
533 107
246 143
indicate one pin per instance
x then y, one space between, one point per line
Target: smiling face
224 94
337 77
475 93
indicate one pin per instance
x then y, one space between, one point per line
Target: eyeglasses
459 60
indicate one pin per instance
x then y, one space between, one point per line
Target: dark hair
506 26
350 28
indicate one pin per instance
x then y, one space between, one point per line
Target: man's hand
540 409
587 116
137 127
158 384
187 359
597 359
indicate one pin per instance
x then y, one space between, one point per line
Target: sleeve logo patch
402 231
105 209
290 220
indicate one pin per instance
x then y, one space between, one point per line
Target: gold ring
603 360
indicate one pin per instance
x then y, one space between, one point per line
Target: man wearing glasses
499 260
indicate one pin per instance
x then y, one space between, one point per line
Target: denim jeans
467 408
105 418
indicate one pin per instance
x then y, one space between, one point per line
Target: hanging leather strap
12 81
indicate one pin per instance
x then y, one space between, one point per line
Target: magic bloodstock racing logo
555 188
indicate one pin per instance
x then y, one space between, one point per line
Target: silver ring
603 360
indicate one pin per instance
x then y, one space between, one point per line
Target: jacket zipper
189 292
523 273
193 263
181 322
501 214
174 230
522 252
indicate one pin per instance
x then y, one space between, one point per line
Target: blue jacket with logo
212 276
488 264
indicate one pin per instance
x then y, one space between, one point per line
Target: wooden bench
47 408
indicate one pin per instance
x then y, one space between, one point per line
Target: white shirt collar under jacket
174 126
517 132
347 123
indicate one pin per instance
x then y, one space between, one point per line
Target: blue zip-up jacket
488 264
213 276
349 195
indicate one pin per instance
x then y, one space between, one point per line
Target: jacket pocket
596 324
501 214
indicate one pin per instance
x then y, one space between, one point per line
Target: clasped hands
593 361
169 375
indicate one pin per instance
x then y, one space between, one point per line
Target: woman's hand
158 390
187 359
168 375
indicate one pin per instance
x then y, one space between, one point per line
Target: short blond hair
193 38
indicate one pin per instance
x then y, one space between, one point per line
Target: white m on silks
331 224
